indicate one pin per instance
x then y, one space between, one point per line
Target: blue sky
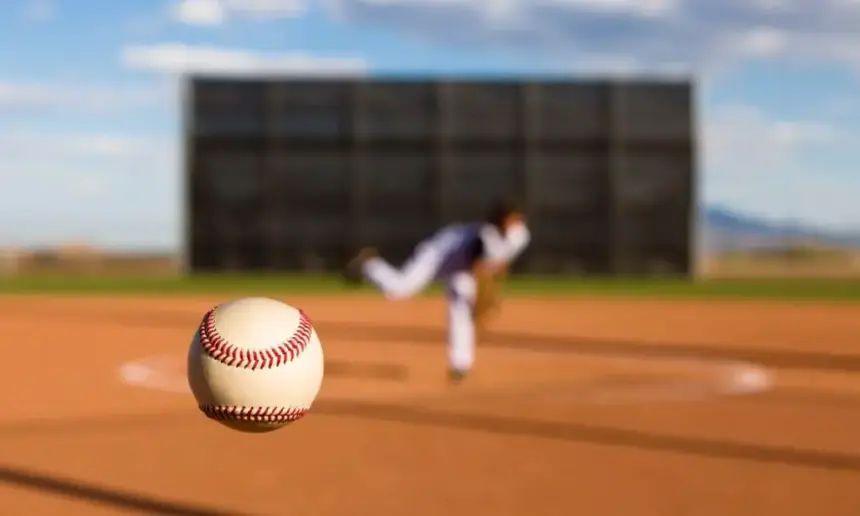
89 106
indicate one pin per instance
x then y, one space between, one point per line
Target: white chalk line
166 373
158 373
727 379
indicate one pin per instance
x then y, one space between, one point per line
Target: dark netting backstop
296 174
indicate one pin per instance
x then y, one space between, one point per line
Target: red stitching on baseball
254 414
217 347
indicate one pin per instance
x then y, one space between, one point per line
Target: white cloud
791 169
177 58
110 189
31 95
644 8
28 152
198 12
38 11
26 95
841 107
693 34
106 146
278 8
75 165
216 12
744 139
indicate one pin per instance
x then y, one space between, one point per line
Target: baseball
255 364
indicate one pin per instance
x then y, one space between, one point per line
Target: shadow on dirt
598 347
778 358
597 435
366 371
491 424
101 495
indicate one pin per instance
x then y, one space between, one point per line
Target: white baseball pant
415 275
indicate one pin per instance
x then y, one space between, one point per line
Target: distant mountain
723 229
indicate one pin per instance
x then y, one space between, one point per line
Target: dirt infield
590 407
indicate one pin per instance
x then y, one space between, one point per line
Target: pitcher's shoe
353 272
455 376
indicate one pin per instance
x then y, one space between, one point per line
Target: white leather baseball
255 364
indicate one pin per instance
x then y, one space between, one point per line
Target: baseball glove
487 297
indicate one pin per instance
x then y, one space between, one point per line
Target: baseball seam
253 414
218 348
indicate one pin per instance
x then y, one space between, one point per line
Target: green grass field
270 285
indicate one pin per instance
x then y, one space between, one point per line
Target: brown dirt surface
572 409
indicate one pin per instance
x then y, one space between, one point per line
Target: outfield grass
308 284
